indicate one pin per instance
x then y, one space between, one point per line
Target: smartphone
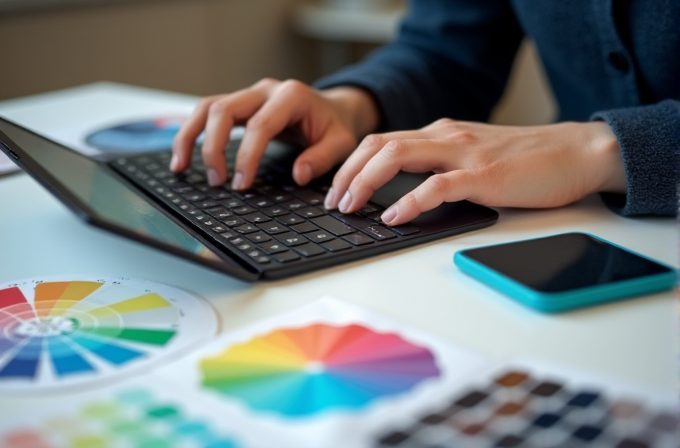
565 271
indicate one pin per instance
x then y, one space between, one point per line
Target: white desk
633 341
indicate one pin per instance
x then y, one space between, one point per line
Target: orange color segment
46 295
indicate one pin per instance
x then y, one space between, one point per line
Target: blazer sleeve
446 61
649 138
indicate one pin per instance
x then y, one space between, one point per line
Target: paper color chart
136 415
60 331
303 371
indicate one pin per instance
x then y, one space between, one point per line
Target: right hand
331 121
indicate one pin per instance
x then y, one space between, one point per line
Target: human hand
331 121
503 166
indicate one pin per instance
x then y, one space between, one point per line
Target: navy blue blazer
611 60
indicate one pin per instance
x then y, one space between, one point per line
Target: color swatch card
533 405
135 414
63 331
330 374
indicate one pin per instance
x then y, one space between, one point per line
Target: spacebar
332 225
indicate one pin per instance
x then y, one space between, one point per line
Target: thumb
319 158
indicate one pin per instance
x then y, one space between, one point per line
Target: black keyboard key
379 233
209 203
218 193
219 213
309 250
259 237
291 239
194 197
273 247
285 257
294 204
304 227
232 203
276 210
336 245
243 210
273 228
219 229
246 228
371 208
310 212
260 202
319 236
233 222
358 239
257 217
405 229
331 224
311 197
290 219
353 220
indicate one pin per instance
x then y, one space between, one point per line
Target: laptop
272 231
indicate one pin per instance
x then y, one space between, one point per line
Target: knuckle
259 122
266 83
293 87
393 149
410 201
444 122
220 107
438 184
462 137
372 141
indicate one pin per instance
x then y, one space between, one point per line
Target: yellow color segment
74 293
257 354
142 303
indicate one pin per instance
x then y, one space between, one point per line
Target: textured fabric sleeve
649 138
451 58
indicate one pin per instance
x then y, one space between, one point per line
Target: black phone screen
564 262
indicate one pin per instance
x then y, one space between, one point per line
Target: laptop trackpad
446 216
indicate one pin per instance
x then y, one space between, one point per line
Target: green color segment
154 337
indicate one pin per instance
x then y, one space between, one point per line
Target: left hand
502 166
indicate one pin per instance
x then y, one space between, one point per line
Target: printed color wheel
303 371
59 331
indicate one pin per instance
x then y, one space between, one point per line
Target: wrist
356 108
608 153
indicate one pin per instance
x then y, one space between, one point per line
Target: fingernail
237 181
213 178
174 162
390 214
329 202
345 202
304 174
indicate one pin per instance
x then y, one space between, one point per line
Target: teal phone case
566 300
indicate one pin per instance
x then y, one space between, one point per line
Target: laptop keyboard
275 222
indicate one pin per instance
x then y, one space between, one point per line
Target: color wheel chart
299 372
60 331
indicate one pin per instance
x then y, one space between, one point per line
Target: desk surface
633 341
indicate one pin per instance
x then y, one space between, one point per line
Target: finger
319 158
222 115
368 148
411 155
183 143
284 107
452 186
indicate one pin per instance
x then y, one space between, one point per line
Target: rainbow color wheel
61 332
303 371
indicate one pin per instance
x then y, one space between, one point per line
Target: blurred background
204 47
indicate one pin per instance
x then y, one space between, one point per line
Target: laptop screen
104 194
